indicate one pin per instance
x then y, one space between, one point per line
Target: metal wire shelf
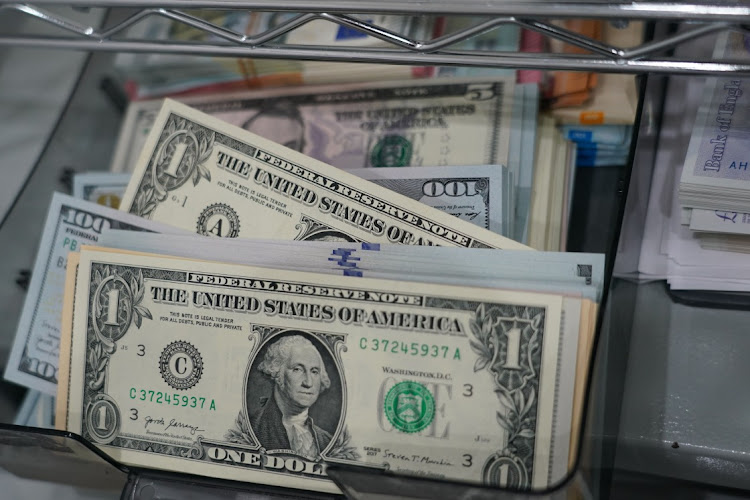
696 10
400 49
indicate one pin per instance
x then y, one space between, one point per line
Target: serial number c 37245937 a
409 348
172 399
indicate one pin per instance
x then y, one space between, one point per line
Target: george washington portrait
294 403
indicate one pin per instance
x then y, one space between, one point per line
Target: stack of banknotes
493 164
552 189
154 75
675 243
374 130
613 98
714 189
596 111
599 145
253 313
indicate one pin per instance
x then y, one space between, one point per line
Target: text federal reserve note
204 175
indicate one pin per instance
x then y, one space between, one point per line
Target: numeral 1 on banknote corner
504 470
103 419
115 309
113 299
176 159
101 422
513 353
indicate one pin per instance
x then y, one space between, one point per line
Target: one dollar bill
70 223
201 174
477 194
411 123
269 376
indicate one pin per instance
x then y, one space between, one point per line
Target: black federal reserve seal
181 365
220 220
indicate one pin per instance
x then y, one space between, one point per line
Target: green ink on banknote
413 348
409 406
391 151
172 399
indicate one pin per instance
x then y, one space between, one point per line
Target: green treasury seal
409 406
391 151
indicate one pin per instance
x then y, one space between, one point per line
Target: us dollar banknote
201 174
104 188
70 223
552 272
411 123
270 376
478 194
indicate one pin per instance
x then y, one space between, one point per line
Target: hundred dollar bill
104 188
70 223
412 123
477 194
269 376
201 174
